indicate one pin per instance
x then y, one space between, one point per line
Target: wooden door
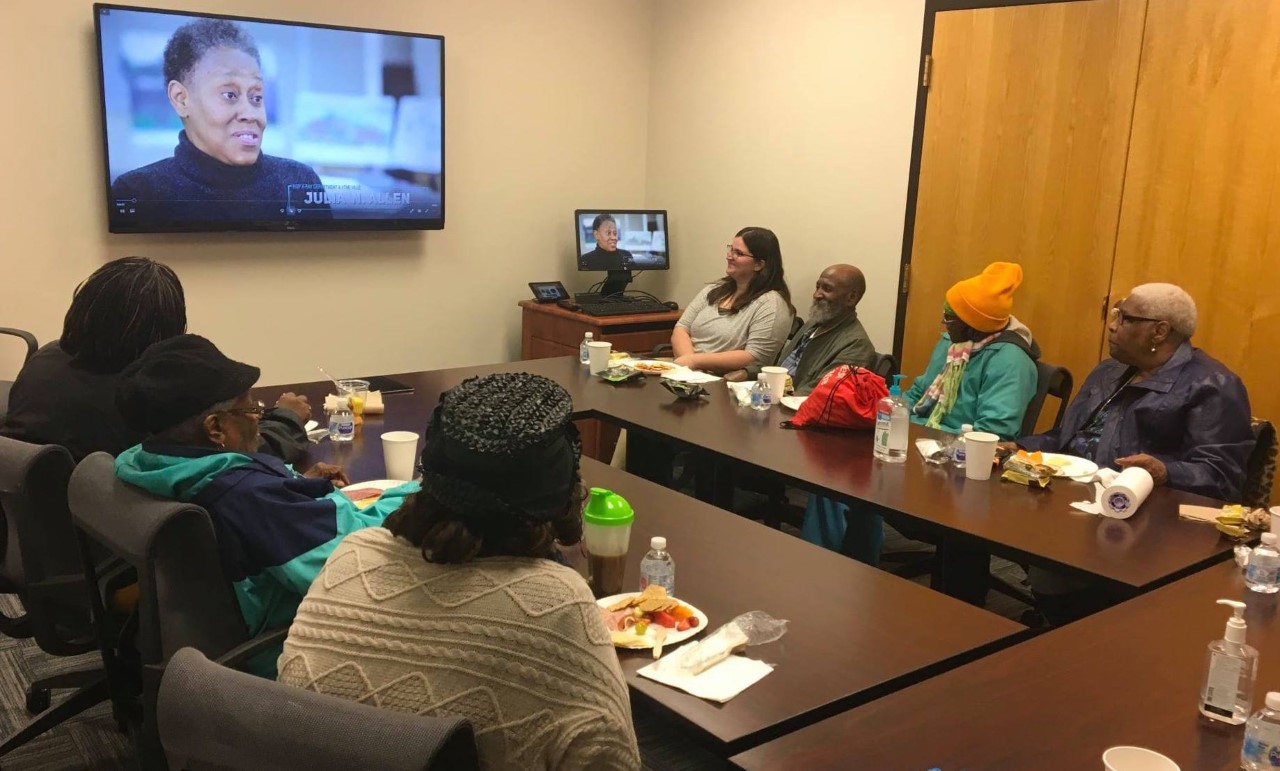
1202 192
1026 128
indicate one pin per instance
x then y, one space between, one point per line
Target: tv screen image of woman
213 76
217 123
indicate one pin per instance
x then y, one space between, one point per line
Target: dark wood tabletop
855 632
1150 548
1130 675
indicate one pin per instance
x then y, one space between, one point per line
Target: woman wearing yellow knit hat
983 369
982 372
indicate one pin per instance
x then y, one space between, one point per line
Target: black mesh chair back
1260 472
886 366
1050 381
42 565
42 561
184 598
215 718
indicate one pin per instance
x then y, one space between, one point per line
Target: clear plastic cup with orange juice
358 391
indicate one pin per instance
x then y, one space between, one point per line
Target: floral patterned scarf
940 396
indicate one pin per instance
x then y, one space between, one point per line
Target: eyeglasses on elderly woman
1118 315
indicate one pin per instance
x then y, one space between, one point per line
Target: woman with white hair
1158 403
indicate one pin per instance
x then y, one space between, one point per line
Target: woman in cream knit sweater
456 606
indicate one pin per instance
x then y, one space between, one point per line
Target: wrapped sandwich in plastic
754 628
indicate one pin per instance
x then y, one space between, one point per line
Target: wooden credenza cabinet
549 330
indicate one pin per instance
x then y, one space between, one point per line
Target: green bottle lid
607 509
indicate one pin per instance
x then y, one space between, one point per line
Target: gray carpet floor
89 741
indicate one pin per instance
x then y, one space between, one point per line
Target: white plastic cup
599 350
979 453
1136 759
1275 519
776 377
400 450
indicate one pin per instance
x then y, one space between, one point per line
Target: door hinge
906 277
926 70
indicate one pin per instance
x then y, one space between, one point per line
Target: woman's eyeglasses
1118 315
738 253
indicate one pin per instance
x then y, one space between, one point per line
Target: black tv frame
261 226
616 281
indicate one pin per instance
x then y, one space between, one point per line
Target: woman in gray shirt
744 317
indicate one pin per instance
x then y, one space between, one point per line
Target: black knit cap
177 379
504 441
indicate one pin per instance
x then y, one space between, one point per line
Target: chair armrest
238 655
27 337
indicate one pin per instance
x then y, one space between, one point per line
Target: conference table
855 633
1129 675
1151 548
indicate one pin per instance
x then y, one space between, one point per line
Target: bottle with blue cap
892 425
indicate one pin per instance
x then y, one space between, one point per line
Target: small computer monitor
619 241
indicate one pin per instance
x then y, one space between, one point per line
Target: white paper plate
673 636
792 402
374 484
1069 465
664 366
686 375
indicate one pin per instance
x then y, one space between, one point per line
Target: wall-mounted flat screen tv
226 123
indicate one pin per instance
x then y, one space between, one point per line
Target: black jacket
599 259
193 186
55 401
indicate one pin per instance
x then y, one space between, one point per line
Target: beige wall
726 112
792 116
524 134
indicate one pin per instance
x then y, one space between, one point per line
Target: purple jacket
1192 414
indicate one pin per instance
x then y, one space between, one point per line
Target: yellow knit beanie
985 301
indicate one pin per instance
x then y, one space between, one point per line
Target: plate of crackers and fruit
650 619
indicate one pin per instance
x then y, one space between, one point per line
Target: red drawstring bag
845 398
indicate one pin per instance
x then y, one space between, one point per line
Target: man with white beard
832 336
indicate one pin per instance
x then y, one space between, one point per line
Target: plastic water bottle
1263 572
957 446
342 424
761 395
584 353
657 567
892 424
1262 737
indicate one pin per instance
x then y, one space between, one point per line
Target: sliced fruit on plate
663 618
